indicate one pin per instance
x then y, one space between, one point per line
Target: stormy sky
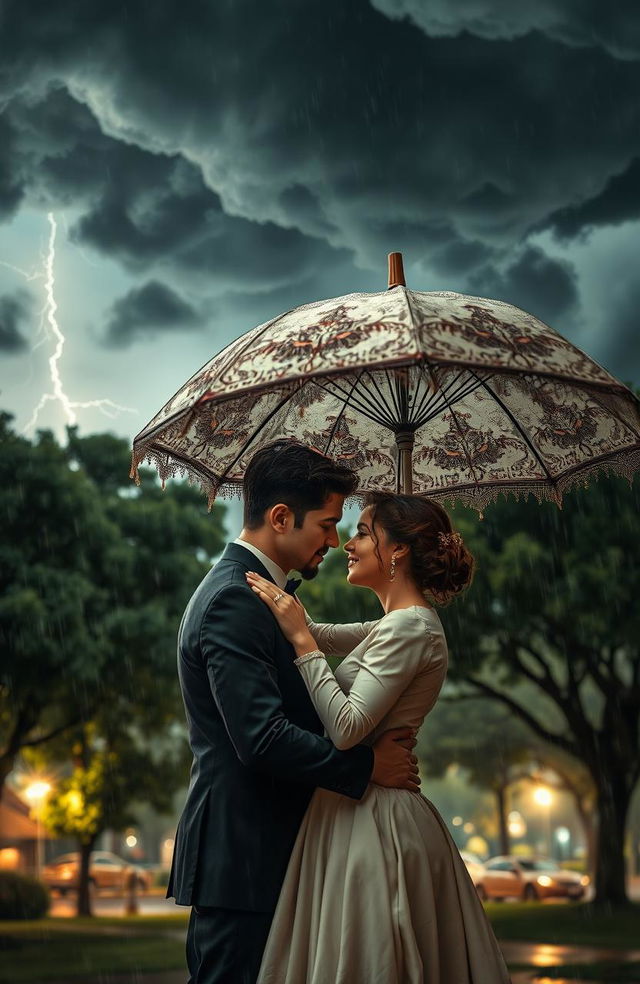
207 165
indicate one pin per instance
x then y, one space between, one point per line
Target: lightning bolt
107 407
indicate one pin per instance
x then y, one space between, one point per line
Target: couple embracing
305 849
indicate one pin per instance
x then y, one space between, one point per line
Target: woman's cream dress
376 891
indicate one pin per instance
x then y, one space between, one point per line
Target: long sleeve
336 639
398 649
237 639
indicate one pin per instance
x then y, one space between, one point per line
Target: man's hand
394 765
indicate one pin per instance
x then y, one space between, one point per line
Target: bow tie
292 585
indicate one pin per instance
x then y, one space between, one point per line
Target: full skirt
377 893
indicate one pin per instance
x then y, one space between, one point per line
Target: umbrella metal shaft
404 481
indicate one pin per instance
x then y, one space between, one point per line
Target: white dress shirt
276 572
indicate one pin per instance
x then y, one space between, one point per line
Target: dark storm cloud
613 26
545 287
248 159
621 353
148 310
15 311
148 209
338 122
11 191
618 202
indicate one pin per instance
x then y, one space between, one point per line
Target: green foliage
94 575
116 771
550 630
488 742
22 897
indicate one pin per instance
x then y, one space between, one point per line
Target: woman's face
364 567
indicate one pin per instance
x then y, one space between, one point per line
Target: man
257 742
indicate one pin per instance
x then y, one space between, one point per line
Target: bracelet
314 654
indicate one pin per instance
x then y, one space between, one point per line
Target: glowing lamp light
37 791
469 828
131 840
516 825
543 796
9 858
562 835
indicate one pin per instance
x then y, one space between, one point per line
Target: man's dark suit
258 755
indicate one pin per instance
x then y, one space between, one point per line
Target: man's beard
308 573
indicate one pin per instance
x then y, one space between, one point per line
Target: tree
498 751
492 746
114 767
58 549
553 613
95 575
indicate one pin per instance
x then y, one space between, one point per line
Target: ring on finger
278 597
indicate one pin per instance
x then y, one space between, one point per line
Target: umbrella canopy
433 392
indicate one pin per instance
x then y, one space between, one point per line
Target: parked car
531 879
476 870
106 870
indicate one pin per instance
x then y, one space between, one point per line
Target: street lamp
544 797
36 792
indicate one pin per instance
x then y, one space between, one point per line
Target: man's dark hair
294 474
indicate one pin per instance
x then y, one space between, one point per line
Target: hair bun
440 563
457 567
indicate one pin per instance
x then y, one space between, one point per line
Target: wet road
114 905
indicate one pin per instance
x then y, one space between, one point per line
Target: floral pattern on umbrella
494 399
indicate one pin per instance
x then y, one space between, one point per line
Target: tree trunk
501 805
84 885
588 827
612 806
24 720
6 766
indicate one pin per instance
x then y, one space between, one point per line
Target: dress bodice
390 676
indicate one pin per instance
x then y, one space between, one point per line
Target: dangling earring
393 569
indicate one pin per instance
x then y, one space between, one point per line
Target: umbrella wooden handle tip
396 271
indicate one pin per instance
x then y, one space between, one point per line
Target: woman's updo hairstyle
440 564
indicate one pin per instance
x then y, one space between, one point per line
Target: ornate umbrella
436 392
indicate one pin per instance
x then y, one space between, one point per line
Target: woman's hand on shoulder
287 610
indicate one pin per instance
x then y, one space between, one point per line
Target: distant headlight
544 880
585 880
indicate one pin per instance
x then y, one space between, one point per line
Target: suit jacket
257 743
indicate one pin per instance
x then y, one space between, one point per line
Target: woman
376 891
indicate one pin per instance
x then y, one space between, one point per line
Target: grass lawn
572 924
61 949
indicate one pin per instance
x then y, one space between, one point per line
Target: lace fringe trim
623 463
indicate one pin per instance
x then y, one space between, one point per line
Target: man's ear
280 517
